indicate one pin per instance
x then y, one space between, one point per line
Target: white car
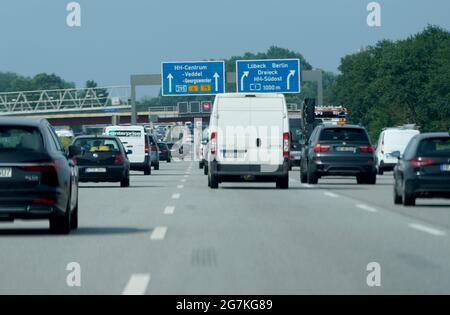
134 138
392 140
249 139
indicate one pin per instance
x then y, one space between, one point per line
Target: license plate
234 155
5 172
345 149
96 170
445 167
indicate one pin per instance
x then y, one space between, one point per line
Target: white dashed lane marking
180 186
169 210
330 194
366 208
158 233
137 285
176 196
427 229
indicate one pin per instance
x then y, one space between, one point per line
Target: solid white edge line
427 229
158 233
366 208
137 285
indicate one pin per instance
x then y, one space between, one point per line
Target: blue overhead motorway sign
193 78
268 76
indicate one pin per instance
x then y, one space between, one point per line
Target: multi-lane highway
170 234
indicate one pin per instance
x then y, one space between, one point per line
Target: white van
134 138
249 139
392 140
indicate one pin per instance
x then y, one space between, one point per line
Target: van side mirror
396 154
129 152
73 151
204 142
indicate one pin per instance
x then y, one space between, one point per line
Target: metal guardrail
46 101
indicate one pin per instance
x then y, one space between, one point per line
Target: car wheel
61 224
283 182
74 219
205 169
156 167
303 175
213 181
168 160
408 198
312 177
125 182
148 170
397 198
361 179
371 179
200 165
380 170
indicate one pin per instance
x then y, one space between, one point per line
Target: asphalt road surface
170 234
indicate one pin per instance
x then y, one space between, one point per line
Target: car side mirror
129 152
73 151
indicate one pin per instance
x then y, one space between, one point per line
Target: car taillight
49 171
419 162
366 149
286 144
320 148
213 143
43 201
119 159
154 148
147 148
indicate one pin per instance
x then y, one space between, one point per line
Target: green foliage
396 83
11 82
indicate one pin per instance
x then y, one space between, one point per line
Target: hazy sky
120 37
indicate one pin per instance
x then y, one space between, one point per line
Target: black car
164 152
38 179
102 159
424 169
338 151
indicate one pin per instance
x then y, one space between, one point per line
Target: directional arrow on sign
216 77
290 75
246 73
170 78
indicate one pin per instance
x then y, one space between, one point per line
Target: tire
303 175
61 224
213 181
398 200
205 169
371 179
168 160
156 167
200 165
148 170
283 182
408 198
74 219
380 170
312 178
125 182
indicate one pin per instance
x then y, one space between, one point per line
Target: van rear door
232 123
132 139
267 117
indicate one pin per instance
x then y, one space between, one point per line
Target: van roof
243 95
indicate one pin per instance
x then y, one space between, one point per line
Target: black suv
38 179
338 151
424 169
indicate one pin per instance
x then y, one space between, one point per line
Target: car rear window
19 138
344 134
98 145
434 147
161 145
